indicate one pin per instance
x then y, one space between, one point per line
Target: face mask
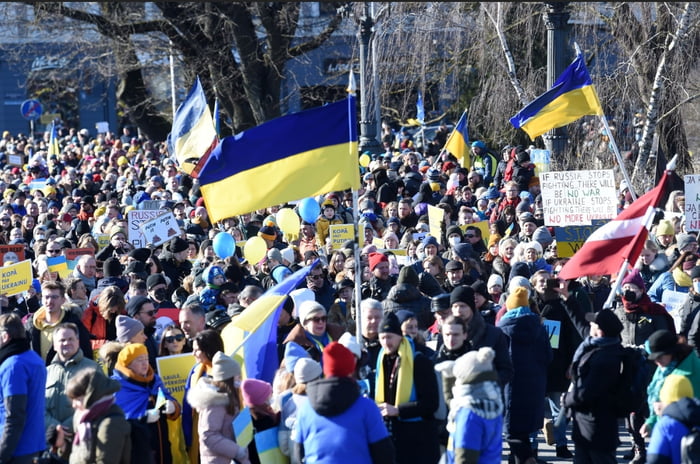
454 241
420 255
630 296
160 294
696 287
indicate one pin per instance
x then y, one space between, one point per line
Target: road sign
31 110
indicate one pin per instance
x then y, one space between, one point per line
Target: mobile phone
552 283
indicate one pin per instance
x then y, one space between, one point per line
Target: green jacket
688 367
59 410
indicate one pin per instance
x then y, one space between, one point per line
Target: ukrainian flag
571 97
289 158
243 427
267 445
458 142
193 135
53 141
251 337
58 264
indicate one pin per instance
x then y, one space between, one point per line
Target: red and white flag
622 238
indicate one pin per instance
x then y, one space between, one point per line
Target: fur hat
674 388
306 370
255 392
517 299
224 367
375 259
131 352
338 361
307 308
127 328
468 366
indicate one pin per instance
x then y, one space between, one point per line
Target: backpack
630 392
690 447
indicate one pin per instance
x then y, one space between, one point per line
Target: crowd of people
468 341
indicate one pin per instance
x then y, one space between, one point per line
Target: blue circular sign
31 110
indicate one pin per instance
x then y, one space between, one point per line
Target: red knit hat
338 361
376 258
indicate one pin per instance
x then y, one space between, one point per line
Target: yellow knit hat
131 352
674 388
665 228
517 299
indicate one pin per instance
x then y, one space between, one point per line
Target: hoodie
678 418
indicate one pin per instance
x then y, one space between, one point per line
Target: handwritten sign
553 331
16 278
174 371
11 253
135 218
571 238
160 229
692 202
341 233
673 301
575 198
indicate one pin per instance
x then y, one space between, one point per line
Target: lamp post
368 126
556 19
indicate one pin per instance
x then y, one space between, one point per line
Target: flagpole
615 288
604 119
355 217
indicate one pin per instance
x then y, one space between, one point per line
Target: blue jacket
664 282
134 396
24 374
665 442
473 432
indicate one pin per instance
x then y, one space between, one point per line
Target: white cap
350 342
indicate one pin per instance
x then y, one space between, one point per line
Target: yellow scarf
682 278
404 383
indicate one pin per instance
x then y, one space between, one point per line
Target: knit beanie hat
133 306
112 267
307 308
177 245
131 352
224 367
255 392
390 324
267 232
127 328
307 370
665 227
517 299
683 240
408 275
542 236
469 365
463 294
155 279
635 278
293 353
518 281
494 279
338 361
674 388
376 258
350 342
430 240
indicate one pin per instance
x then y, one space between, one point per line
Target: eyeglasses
470 235
4 219
151 313
55 250
315 276
174 338
317 319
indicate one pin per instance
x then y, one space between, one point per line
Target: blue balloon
224 245
309 209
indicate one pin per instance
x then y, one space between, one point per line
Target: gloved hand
152 415
169 407
242 454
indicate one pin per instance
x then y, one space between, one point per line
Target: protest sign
575 198
173 370
72 255
16 278
341 233
692 202
436 217
11 253
159 230
571 238
135 218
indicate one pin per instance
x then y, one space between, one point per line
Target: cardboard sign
16 278
135 218
102 240
673 301
15 160
571 238
174 371
692 202
11 253
341 233
160 229
435 219
576 198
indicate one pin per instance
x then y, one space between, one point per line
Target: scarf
517 312
657 381
589 343
320 342
483 398
405 390
14 347
681 278
97 409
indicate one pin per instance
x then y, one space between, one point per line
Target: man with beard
157 289
143 310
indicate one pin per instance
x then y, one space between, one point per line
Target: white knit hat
224 367
350 342
306 370
494 279
299 296
307 308
472 363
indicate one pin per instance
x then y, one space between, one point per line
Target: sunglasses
58 250
317 319
315 277
470 236
151 313
174 338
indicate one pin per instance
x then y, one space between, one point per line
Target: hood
408 275
402 293
204 394
332 396
685 410
523 328
99 387
39 319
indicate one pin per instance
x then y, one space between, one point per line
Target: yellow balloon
288 221
254 249
364 160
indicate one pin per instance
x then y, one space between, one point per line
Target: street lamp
368 126
556 19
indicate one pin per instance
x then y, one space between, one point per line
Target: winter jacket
675 423
217 444
299 335
664 282
59 410
100 328
323 225
479 334
36 324
642 321
408 297
690 324
688 367
338 426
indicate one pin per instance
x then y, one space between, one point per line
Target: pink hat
255 392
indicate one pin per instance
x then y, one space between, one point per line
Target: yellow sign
435 218
174 371
48 118
484 228
102 240
341 233
16 278
378 242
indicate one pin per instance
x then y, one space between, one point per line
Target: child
325 220
214 278
256 396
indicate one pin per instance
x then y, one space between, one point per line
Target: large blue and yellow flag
193 135
571 97
58 264
289 158
251 337
458 141
53 141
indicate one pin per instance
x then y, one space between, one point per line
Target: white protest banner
135 218
160 229
575 198
692 202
